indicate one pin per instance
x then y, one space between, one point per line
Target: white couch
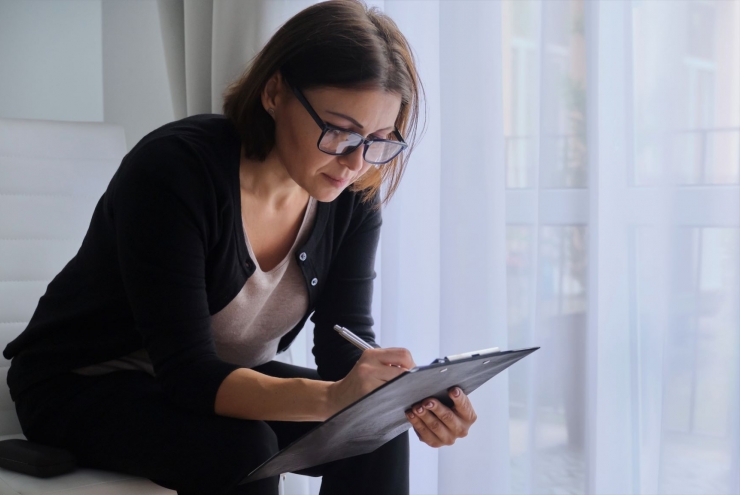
51 176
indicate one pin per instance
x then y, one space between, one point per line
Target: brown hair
337 43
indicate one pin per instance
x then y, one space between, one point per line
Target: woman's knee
216 456
239 447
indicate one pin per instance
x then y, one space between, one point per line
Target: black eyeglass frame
327 127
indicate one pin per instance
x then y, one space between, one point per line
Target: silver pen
357 341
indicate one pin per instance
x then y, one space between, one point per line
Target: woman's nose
354 160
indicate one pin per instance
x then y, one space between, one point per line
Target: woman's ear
273 94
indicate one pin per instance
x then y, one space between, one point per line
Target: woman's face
323 176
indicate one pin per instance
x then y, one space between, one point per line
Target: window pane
547 394
547 107
723 156
698 395
687 92
563 126
520 41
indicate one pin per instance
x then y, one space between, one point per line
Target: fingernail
456 392
411 416
429 405
420 409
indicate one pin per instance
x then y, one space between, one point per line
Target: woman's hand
436 424
373 369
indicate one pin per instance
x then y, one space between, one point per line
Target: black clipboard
380 416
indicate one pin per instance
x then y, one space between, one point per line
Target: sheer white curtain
622 124
576 189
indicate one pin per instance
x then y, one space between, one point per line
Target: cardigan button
314 281
303 256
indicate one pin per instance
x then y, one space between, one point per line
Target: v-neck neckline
319 224
282 263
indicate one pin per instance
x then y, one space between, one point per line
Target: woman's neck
268 183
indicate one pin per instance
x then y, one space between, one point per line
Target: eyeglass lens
340 142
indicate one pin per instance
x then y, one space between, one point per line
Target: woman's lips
336 182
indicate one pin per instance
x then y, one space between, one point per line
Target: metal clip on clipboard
456 357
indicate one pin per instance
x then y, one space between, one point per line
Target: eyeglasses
337 141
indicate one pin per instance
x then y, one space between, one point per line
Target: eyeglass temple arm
398 135
305 103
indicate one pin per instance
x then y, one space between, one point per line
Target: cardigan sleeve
164 213
347 296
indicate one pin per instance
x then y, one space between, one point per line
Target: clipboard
380 416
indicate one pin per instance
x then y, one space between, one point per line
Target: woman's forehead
376 106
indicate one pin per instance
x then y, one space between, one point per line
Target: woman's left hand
436 424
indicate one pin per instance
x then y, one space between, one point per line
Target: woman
151 351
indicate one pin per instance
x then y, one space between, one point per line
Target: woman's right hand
374 368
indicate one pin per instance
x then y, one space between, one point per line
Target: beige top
248 329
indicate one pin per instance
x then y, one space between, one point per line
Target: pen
354 339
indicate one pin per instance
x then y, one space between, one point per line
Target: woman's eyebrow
354 121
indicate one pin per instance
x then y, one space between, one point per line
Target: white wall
84 60
51 60
135 82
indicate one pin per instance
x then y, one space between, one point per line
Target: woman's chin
325 196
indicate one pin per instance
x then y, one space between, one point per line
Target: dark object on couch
35 459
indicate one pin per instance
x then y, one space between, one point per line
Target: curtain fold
198 43
612 447
409 283
473 233
209 43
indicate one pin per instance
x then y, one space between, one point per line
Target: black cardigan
165 250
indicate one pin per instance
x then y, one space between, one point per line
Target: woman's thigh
121 421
